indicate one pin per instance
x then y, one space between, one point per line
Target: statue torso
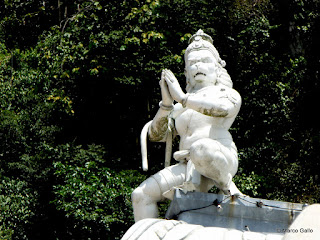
192 125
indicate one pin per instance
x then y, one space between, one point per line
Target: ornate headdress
200 41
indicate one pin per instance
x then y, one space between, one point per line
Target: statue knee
210 160
206 151
148 192
144 201
137 196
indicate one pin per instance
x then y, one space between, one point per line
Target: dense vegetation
79 79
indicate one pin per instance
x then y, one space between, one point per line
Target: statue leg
217 162
146 196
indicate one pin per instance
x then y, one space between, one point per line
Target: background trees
79 79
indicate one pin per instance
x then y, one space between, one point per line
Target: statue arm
226 106
159 127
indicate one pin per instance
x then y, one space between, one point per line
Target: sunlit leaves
92 196
17 206
63 68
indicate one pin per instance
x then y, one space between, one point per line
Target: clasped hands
170 88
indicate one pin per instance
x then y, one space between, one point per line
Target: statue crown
200 35
200 41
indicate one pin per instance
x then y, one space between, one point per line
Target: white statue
201 117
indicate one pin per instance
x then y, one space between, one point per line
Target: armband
166 108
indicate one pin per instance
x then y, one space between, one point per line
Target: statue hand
167 100
174 86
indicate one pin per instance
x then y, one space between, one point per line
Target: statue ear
185 72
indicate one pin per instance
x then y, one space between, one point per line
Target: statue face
201 67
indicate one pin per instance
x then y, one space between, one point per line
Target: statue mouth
200 73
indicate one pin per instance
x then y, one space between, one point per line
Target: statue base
235 212
205 216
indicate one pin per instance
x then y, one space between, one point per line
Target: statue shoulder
234 96
223 92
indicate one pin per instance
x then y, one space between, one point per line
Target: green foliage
94 198
31 111
65 67
17 204
249 183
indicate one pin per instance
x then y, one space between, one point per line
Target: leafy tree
95 199
85 73
17 204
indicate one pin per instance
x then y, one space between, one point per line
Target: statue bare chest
191 121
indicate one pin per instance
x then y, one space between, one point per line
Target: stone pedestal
206 216
241 213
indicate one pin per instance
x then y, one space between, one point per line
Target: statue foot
231 188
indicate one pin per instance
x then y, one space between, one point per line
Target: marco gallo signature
294 230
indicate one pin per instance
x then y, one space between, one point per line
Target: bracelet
166 108
184 100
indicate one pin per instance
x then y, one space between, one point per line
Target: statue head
203 63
